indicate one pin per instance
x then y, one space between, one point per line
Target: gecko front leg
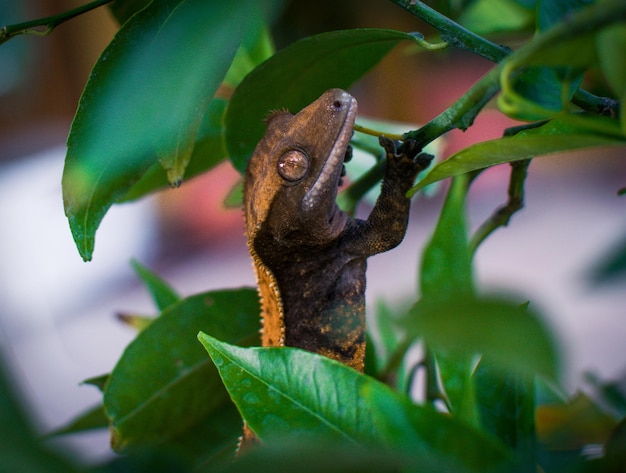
385 227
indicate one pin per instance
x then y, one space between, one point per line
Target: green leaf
290 393
164 387
611 50
507 336
446 270
208 152
20 447
122 10
94 418
612 266
536 93
144 102
568 132
98 381
551 12
296 76
447 274
290 456
615 448
506 402
496 16
162 293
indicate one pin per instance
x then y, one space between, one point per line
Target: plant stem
501 217
596 16
462 113
453 33
44 26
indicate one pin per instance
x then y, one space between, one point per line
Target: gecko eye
293 165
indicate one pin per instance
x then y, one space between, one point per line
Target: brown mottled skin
309 256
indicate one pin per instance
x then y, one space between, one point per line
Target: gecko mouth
333 168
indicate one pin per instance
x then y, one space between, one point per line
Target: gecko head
293 175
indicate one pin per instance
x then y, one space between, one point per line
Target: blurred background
57 314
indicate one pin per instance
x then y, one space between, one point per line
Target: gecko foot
405 156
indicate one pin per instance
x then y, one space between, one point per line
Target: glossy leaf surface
290 393
164 386
144 103
562 134
296 76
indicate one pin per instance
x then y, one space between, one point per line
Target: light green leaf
568 132
296 76
290 393
162 293
144 102
163 387
496 16
122 10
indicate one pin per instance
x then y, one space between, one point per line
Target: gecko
309 256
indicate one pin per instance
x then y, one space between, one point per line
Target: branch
501 217
453 33
45 26
596 16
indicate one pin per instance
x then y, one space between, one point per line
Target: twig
455 35
501 217
45 26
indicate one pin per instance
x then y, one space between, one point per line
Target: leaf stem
372 132
45 26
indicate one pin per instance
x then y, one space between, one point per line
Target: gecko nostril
337 104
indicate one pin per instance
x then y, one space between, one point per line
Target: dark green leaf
551 12
98 381
615 449
506 403
122 10
20 448
164 386
290 457
290 393
296 76
162 293
612 266
496 16
565 133
94 418
507 336
144 102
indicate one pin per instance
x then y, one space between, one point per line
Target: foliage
491 366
